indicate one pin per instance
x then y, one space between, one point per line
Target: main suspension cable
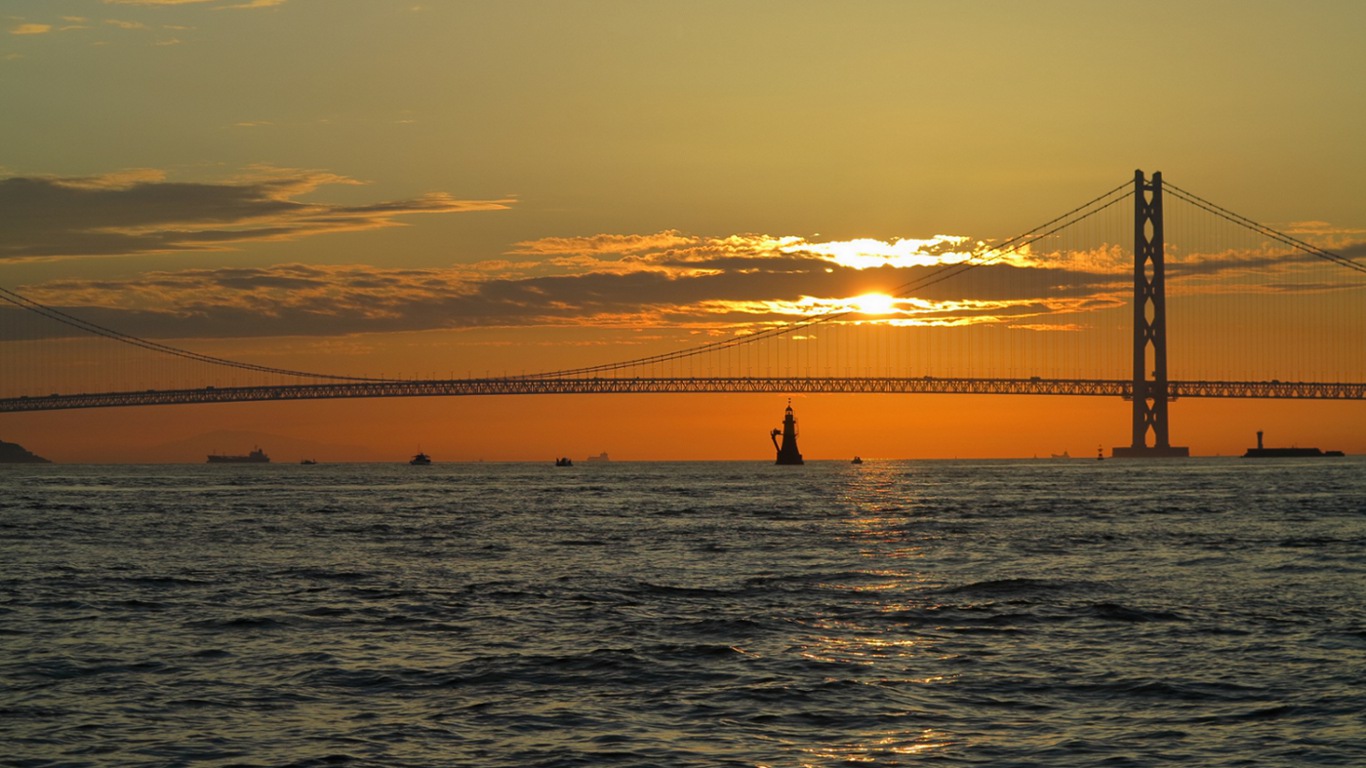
1263 229
99 330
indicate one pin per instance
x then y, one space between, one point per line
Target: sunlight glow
884 310
874 304
867 253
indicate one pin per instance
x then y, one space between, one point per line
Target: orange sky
446 189
663 427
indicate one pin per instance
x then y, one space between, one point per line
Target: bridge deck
748 384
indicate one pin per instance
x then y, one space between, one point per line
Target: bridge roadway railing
523 385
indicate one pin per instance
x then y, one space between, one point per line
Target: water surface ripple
1035 613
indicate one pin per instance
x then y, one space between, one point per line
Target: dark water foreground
1046 613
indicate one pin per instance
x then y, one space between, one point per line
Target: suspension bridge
958 324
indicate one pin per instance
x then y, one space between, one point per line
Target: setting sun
874 304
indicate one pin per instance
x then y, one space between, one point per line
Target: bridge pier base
1150 452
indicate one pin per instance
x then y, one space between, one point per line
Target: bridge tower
1150 327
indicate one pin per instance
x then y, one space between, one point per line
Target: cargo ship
257 456
1261 452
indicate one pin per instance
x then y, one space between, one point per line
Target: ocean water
1209 612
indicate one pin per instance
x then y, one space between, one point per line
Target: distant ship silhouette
257 456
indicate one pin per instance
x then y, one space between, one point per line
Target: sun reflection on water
868 638
878 747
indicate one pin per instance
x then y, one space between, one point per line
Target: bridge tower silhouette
1150 395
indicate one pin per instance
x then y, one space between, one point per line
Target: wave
241 623
1015 587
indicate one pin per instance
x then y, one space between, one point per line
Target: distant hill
14 453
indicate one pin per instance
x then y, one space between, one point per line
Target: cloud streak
140 212
30 29
249 4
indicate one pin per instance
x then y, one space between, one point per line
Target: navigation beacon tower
787 452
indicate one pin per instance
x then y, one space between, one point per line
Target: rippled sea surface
1209 612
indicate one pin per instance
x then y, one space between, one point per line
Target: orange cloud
604 244
865 253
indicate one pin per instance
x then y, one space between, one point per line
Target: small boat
308 462
420 460
856 460
564 462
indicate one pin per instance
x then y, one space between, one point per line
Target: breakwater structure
1262 452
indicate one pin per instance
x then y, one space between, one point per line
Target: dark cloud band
134 214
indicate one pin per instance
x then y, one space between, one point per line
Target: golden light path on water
884 653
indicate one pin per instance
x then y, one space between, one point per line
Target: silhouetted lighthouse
787 452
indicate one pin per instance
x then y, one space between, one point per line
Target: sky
431 188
